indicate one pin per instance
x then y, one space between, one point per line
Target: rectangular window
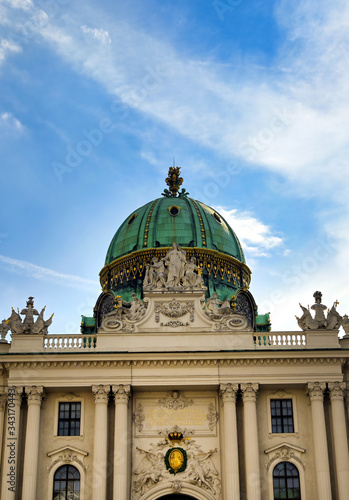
69 419
281 415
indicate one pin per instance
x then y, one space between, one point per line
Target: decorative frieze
175 401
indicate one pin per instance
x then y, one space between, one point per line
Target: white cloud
99 34
291 119
9 121
20 4
6 47
41 273
255 237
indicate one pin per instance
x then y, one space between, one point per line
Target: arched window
66 483
286 482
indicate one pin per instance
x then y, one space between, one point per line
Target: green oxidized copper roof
195 225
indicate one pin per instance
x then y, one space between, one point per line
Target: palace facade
176 388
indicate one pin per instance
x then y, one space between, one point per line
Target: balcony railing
70 342
280 341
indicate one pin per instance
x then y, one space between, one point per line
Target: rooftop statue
173 272
28 325
332 321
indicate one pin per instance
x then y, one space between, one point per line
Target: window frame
67 479
56 416
284 462
283 396
53 472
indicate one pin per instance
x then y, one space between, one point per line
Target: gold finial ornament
174 181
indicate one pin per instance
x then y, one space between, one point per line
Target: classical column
99 489
231 456
315 392
337 392
12 421
253 482
3 399
121 441
31 450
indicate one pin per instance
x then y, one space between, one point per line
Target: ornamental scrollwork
212 416
175 401
139 417
174 309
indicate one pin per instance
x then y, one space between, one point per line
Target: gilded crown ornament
174 182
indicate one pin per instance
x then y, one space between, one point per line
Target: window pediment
285 451
67 455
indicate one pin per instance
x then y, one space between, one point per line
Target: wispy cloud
99 34
20 4
9 121
41 273
256 238
291 116
7 47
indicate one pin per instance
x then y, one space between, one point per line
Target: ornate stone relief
174 309
332 321
28 325
175 401
124 315
200 469
139 417
224 316
212 416
284 452
68 455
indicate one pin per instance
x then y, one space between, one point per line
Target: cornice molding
176 362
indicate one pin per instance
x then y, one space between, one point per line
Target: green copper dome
183 220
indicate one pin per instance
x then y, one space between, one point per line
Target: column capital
249 391
337 390
315 391
121 393
228 392
14 394
101 393
35 394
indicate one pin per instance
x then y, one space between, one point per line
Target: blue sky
97 98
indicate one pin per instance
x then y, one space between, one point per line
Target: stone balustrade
69 342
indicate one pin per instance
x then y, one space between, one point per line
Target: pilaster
253 483
231 482
121 441
337 392
101 395
315 392
31 451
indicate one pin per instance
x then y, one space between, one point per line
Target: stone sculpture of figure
218 308
40 325
4 328
306 322
149 471
334 319
191 278
345 324
202 470
155 275
29 315
137 308
319 310
15 322
213 305
175 261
